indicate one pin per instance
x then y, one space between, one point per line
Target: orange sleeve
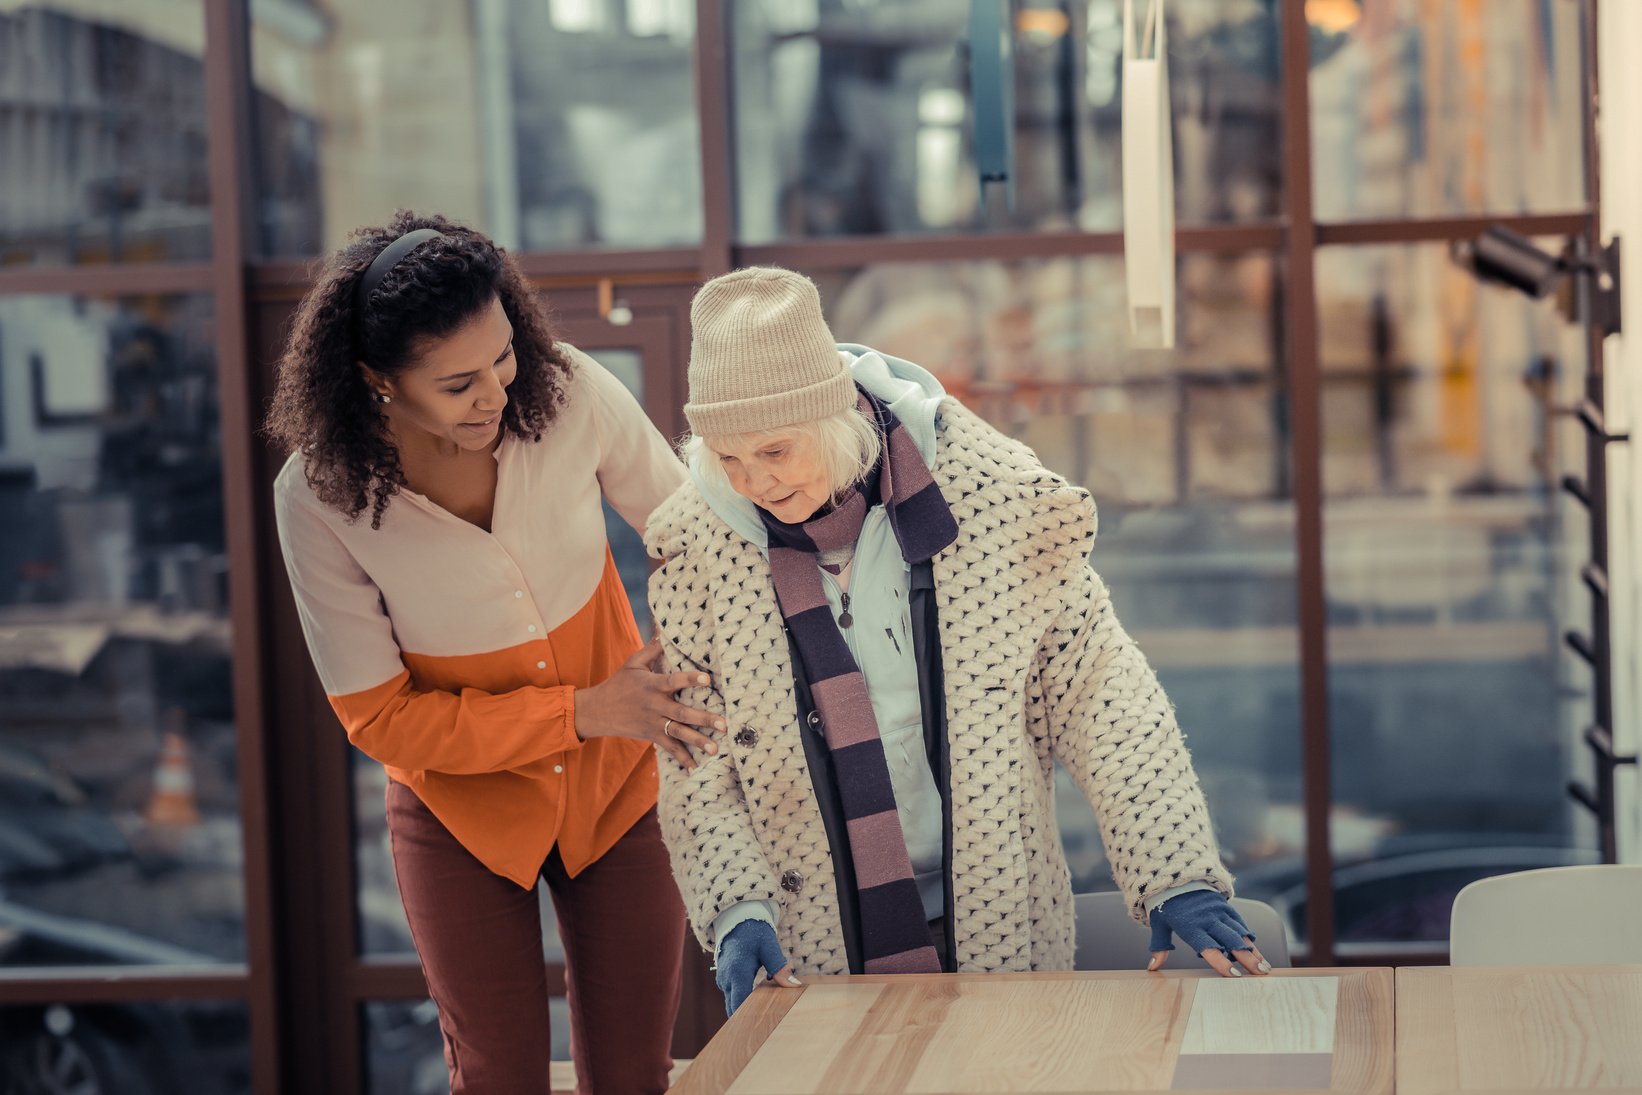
463 733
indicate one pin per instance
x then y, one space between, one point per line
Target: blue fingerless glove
751 945
1204 920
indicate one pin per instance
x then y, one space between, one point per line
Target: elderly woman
895 604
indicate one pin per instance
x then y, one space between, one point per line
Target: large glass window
1451 560
626 545
1451 563
1185 455
1427 108
136 1047
559 124
856 118
119 807
102 132
405 1052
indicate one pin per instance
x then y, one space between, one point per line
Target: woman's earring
385 398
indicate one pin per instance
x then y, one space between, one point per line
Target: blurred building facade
1331 515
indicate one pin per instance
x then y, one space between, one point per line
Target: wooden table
1296 1030
1499 1029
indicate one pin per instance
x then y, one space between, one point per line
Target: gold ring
666 728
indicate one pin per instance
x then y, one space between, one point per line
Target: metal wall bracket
1601 742
1604 273
1595 579
1590 416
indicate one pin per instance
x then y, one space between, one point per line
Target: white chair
1555 916
1109 940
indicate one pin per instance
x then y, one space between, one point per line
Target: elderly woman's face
780 472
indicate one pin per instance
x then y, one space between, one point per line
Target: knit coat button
746 737
814 719
792 882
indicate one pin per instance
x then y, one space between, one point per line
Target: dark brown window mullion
307 781
855 251
698 1017
1305 425
713 114
580 267
125 279
108 984
228 131
1441 229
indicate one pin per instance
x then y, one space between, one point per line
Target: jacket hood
912 393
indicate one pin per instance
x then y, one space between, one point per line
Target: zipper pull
846 619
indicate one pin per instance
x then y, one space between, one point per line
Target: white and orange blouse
452 654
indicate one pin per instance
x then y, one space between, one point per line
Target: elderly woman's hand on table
1208 924
751 946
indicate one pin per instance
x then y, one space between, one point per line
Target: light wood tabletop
1324 1030
1519 1029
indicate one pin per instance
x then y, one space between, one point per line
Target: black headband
387 260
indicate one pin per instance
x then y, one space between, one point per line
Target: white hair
846 444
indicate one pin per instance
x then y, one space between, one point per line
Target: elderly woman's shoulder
990 478
678 522
969 444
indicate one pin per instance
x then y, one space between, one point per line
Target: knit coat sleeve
717 858
1114 731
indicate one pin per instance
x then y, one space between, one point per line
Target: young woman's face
458 386
779 472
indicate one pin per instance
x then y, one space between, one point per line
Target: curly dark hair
322 405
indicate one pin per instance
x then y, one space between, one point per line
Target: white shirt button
518 594
531 629
558 767
541 665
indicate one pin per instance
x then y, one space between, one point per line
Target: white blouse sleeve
637 469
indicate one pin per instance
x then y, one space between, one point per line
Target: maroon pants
480 940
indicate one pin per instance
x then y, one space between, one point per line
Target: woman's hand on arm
637 701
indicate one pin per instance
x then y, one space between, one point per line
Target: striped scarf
894 932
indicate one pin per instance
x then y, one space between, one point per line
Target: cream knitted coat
1037 668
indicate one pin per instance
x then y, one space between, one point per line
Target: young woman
896 603
441 524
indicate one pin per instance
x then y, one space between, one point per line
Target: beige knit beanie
761 355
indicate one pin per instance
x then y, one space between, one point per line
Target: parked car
127 1048
123 1048
1404 892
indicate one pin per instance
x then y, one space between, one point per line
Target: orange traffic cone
172 802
